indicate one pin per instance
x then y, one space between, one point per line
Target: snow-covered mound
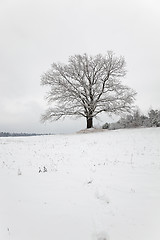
99 186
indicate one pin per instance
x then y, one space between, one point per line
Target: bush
136 120
105 126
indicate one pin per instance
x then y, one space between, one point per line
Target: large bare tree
86 87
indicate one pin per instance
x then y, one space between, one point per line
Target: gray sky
36 33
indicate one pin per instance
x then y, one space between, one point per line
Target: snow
98 186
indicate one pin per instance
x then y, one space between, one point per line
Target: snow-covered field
98 186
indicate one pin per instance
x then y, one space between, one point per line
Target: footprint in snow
99 194
100 236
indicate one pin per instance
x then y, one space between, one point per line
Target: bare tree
86 87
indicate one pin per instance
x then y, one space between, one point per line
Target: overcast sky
35 33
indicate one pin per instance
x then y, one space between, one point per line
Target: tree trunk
89 122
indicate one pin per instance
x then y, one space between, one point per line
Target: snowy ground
98 186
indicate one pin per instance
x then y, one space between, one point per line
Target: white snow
98 186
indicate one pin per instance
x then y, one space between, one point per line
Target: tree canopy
86 87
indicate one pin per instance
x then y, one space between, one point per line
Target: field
85 186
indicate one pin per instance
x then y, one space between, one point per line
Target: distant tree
154 117
137 120
145 121
86 87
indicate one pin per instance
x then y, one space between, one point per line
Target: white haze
36 33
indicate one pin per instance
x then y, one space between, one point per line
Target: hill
98 186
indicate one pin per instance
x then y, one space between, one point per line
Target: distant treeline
7 134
